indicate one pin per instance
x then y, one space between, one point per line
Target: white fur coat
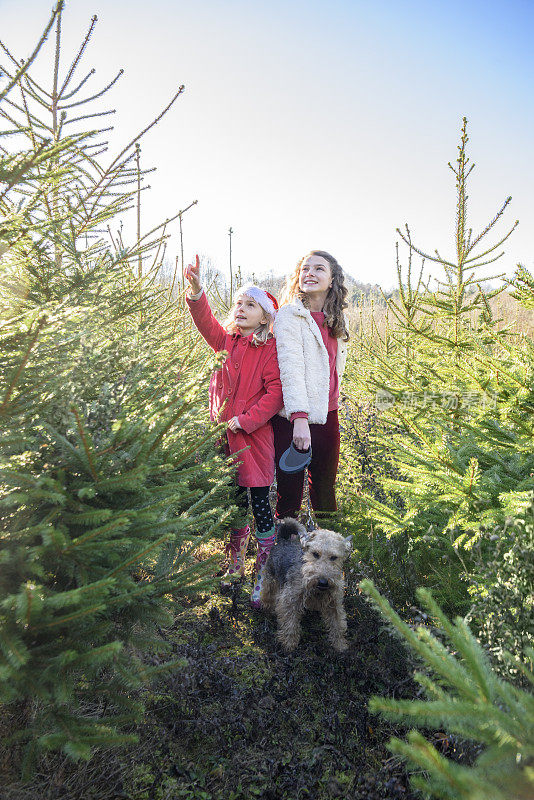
303 360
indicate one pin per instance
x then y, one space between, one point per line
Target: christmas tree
454 424
109 478
465 698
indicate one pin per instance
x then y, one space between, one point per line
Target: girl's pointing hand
192 273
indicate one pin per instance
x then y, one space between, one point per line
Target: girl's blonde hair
336 299
261 334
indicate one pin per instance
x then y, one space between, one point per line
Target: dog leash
310 523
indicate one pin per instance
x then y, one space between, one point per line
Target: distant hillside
365 300
357 290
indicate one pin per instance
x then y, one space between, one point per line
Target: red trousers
322 469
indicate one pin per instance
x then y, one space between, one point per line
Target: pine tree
455 399
467 699
109 478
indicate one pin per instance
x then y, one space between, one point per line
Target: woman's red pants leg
322 470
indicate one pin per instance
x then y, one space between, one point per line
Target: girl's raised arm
210 328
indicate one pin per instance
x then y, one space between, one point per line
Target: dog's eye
315 555
333 558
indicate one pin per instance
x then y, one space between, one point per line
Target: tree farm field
125 672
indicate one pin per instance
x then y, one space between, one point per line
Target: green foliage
109 478
523 283
503 591
455 399
467 698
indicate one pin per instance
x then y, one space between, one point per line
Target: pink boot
264 548
236 550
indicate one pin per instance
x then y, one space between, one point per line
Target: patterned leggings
261 507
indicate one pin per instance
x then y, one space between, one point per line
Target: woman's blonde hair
336 299
261 334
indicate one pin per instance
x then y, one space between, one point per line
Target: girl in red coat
245 393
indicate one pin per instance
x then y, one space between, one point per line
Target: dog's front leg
335 619
289 615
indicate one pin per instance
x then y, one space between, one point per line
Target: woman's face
315 275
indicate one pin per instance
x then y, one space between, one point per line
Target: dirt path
245 720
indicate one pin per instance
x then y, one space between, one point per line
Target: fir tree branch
426 256
138 556
86 446
145 130
73 616
94 96
25 65
490 225
79 86
20 368
78 56
90 116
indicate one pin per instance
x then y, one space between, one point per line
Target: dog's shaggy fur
306 576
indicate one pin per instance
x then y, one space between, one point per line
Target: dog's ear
348 543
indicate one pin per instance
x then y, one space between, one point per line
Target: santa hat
264 299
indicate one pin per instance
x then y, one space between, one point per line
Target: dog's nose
322 583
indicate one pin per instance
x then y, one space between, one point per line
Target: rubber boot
264 548
236 550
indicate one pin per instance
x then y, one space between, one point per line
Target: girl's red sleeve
212 330
270 403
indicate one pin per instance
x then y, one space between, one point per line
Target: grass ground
245 720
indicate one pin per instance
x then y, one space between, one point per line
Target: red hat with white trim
265 299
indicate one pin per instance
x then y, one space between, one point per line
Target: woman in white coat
311 335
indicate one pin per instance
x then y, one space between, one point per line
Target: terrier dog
306 578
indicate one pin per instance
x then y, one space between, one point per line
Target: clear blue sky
316 124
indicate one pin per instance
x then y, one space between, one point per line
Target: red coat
248 387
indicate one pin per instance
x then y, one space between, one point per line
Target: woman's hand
192 273
234 425
301 434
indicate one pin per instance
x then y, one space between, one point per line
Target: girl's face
248 315
315 276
